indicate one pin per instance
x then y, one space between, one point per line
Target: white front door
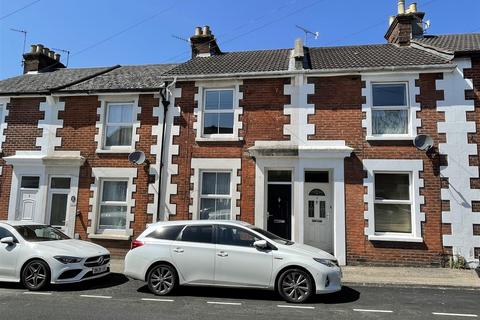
27 200
318 216
58 210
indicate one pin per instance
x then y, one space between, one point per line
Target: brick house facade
314 144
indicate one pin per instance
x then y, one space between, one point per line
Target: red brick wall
78 134
263 119
21 134
339 116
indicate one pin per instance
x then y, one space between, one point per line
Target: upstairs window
390 109
218 113
119 125
393 205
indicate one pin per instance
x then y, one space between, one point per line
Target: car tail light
136 244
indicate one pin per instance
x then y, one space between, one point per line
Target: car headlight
327 262
67 259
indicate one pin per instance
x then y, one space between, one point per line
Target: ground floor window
113 204
215 196
393 207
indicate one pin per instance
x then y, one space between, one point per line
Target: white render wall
459 194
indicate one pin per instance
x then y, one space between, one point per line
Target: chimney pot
412 8
401 6
34 48
46 51
39 48
57 57
51 54
390 20
198 31
206 30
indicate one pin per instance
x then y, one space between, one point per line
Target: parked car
229 254
37 255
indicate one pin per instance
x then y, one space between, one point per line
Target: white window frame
199 165
102 174
102 123
218 111
409 202
204 86
110 203
214 196
393 108
118 124
412 106
394 166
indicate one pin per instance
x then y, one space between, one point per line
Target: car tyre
36 275
295 285
162 279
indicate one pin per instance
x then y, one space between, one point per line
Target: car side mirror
260 244
8 240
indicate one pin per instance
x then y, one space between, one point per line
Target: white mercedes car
229 254
37 255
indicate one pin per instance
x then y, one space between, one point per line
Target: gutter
324 72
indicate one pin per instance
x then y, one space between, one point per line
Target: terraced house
313 144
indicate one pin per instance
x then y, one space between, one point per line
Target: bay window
215 196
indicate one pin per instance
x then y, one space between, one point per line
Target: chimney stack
203 43
407 25
298 54
41 58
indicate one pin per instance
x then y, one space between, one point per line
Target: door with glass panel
318 219
58 203
27 199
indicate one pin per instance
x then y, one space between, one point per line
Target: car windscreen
272 236
40 233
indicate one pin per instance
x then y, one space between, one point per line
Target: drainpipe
164 94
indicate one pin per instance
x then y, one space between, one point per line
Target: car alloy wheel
162 279
35 275
295 285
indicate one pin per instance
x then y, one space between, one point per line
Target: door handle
178 250
222 254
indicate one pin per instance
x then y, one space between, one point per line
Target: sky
110 32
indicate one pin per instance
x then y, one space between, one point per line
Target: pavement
115 297
393 276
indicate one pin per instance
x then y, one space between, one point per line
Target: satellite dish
423 142
137 157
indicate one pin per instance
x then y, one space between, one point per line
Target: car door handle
222 254
178 250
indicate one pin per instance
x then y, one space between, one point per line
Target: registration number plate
101 269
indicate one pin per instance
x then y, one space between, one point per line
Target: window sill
396 238
219 139
109 236
118 151
390 138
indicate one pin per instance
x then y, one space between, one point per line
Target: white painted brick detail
155 167
4 101
171 169
299 129
49 125
456 127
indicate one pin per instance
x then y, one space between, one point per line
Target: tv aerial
307 32
24 32
64 51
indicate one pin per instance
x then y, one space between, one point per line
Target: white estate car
230 254
37 255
